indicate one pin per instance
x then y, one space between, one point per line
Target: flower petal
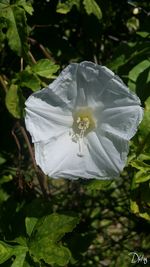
49 111
59 158
109 153
44 121
91 81
122 112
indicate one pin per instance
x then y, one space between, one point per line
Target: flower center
83 123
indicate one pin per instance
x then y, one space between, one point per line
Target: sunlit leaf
26 5
133 24
45 236
6 252
98 185
134 73
30 223
20 254
141 165
17 27
145 124
29 80
140 199
65 7
143 34
45 68
14 100
92 7
142 177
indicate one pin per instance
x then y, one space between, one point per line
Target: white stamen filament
83 124
81 144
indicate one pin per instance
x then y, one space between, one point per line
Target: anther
82 125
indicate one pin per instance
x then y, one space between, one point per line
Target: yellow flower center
83 123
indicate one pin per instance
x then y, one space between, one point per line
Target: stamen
81 146
82 125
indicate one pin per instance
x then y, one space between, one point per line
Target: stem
46 54
2 81
41 26
32 57
21 64
42 178
42 48
17 143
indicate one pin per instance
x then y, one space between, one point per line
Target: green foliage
43 242
6 252
14 101
64 8
45 236
37 225
28 79
92 7
45 68
145 124
98 185
26 5
133 24
15 18
30 222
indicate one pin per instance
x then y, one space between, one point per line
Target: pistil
82 125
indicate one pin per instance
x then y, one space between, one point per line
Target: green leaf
45 68
5 179
140 165
2 159
139 68
29 80
145 124
143 34
6 252
3 25
98 185
14 101
141 177
92 7
3 195
20 253
30 223
140 201
45 236
64 8
144 156
117 62
26 5
17 27
136 210
133 24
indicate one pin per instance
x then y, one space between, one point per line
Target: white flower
82 122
